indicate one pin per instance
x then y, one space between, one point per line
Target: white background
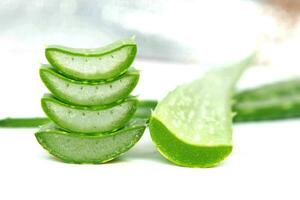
265 161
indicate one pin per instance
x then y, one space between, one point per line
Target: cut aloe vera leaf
23 122
89 119
93 64
89 93
192 125
93 149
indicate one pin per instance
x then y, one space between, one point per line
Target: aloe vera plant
89 93
93 64
82 148
192 125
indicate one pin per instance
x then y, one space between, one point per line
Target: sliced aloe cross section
192 125
93 64
81 148
89 93
89 119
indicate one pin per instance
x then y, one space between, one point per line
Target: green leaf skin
89 149
93 64
192 125
89 93
89 119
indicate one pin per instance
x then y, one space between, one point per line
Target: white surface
264 164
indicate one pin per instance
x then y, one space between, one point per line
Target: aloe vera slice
89 119
93 64
81 148
89 93
192 125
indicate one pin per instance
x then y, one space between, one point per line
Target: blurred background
177 40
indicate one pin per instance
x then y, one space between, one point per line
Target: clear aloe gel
89 119
89 93
93 149
93 64
192 125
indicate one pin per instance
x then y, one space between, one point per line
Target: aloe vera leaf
89 119
192 125
93 149
23 122
283 88
279 100
268 109
93 64
89 93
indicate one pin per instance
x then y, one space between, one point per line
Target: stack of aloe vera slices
93 116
